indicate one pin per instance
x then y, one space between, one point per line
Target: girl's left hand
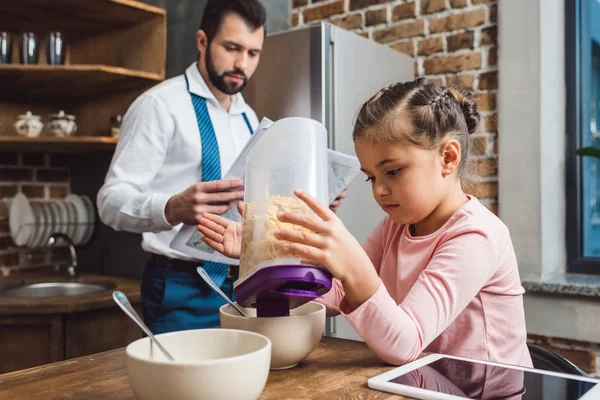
328 244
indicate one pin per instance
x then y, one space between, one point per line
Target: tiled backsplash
39 176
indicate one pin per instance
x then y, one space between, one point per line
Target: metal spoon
204 275
123 302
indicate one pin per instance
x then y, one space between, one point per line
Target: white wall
531 101
563 317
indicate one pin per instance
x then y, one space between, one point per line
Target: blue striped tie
211 171
211 167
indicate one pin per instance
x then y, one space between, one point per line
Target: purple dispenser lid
276 289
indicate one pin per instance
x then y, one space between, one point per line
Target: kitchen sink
54 289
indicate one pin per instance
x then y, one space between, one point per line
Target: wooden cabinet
92 332
37 331
116 49
31 340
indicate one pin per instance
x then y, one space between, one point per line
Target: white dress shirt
159 154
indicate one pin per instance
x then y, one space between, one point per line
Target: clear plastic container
291 155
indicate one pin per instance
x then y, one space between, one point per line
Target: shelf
77 17
70 81
49 144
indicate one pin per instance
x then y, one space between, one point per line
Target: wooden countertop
59 305
338 368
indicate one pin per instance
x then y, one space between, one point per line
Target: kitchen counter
337 368
66 305
39 331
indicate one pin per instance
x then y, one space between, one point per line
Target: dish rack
33 222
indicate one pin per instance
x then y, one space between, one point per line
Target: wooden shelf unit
116 50
71 81
74 17
49 144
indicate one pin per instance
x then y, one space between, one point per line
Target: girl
439 273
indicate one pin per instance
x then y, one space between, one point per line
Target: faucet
72 269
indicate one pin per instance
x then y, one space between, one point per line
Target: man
186 130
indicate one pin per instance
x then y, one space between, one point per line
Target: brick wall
453 42
39 177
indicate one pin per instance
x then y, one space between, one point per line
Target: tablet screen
482 382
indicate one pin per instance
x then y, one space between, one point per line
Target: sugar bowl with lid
61 125
29 125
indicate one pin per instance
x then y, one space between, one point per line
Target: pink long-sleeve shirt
456 291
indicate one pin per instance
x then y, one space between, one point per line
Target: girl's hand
331 245
222 234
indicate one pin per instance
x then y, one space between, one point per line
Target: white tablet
438 376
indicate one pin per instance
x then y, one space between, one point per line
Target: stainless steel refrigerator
325 73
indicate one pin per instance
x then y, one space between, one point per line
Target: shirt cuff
158 204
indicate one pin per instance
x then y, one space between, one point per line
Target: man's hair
251 11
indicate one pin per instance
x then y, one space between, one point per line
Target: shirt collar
199 87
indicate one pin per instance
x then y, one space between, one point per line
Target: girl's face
408 182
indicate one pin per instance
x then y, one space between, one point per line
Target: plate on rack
48 228
32 236
81 217
21 220
38 231
91 213
72 224
63 216
55 218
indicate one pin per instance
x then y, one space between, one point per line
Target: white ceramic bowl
293 337
209 364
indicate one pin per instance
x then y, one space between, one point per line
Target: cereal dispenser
291 155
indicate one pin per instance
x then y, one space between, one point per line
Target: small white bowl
293 337
209 364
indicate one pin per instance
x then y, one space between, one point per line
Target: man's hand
338 201
213 197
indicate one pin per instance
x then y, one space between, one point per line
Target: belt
173 264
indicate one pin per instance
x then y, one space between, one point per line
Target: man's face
232 56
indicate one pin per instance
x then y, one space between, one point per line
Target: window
582 55
591 168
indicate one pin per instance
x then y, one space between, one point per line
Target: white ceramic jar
29 125
61 125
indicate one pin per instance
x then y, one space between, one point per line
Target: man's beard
219 82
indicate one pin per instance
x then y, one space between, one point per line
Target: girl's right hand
222 234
